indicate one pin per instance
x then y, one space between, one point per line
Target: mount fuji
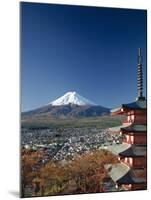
70 105
71 98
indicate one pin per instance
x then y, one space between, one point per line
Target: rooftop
140 104
126 149
122 174
129 127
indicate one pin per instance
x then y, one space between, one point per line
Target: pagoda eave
128 150
119 111
139 104
132 181
129 128
122 174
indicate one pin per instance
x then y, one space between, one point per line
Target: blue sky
90 50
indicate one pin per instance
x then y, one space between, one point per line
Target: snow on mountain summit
71 98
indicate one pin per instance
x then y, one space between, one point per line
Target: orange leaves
84 174
89 169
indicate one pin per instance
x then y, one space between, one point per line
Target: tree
54 176
29 167
88 170
84 174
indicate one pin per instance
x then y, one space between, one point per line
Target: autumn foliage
88 170
84 174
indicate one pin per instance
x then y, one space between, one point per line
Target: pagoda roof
118 148
117 171
127 150
140 104
129 128
135 151
122 174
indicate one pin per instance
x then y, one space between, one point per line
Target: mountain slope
70 105
67 111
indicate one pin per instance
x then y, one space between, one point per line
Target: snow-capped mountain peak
71 98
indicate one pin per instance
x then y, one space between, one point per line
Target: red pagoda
131 171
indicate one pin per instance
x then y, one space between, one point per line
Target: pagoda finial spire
140 75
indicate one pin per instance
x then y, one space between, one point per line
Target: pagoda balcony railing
127 121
